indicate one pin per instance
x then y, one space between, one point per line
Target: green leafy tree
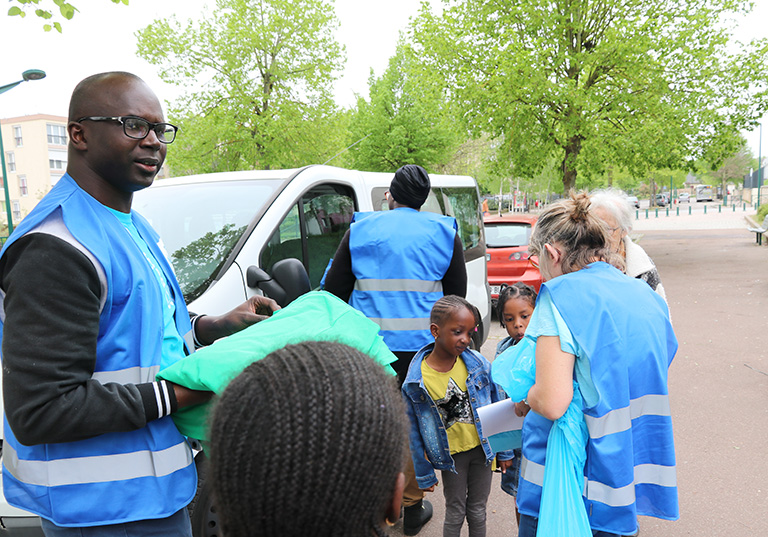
733 168
48 12
406 120
267 69
637 84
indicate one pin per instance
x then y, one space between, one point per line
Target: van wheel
205 520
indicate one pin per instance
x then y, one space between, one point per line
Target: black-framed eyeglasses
138 128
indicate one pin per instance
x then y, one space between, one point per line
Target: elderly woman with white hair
612 206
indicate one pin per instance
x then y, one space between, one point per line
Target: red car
506 241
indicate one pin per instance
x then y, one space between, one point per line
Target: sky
100 38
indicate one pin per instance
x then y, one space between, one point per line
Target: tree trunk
572 150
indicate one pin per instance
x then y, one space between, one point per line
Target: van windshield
200 223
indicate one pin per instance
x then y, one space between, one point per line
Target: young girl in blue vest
514 308
445 385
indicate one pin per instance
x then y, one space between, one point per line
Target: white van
228 234
224 232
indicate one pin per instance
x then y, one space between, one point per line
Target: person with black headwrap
393 266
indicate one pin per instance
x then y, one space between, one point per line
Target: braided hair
447 305
307 441
516 290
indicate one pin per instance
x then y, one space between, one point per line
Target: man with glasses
91 311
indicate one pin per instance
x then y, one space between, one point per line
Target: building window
57 134
57 159
23 189
10 160
17 136
55 179
16 210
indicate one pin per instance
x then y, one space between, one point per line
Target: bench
758 231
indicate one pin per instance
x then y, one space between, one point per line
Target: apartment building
35 159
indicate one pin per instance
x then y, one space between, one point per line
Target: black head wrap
410 186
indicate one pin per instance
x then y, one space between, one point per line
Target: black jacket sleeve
455 279
51 326
340 279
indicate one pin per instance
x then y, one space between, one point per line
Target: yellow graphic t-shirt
449 392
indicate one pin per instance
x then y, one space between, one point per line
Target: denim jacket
427 433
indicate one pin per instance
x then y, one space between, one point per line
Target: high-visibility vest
624 331
399 258
116 477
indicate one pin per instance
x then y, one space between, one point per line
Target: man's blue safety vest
624 331
399 258
117 477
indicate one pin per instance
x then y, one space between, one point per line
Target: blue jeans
177 525
529 524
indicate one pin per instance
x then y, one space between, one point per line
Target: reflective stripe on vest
645 474
131 375
394 325
418 286
620 419
102 468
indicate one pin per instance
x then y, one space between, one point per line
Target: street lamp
30 74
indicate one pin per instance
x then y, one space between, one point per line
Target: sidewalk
716 217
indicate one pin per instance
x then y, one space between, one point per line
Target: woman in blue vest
611 334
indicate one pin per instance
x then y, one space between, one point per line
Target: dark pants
412 494
466 493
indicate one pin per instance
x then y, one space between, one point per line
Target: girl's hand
522 409
504 465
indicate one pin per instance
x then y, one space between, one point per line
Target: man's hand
186 397
209 328
429 489
522 408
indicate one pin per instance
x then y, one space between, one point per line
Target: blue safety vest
117 477
399 259
624 331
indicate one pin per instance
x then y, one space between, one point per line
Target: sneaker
415 516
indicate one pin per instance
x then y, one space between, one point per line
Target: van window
200 224
460 202
312 230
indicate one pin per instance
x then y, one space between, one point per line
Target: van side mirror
289 280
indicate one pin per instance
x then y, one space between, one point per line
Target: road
716 279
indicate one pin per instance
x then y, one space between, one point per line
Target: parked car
684 197
634 201
506 241
661 200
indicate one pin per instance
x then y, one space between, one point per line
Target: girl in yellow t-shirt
446 383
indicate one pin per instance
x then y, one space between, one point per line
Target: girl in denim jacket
446 383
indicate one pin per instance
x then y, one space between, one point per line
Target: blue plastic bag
515 369
562 510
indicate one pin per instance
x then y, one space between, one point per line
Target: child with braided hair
514 308
446 383
292 441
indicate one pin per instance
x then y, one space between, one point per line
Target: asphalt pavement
716 280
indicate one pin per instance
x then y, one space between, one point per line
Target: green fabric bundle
315 316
